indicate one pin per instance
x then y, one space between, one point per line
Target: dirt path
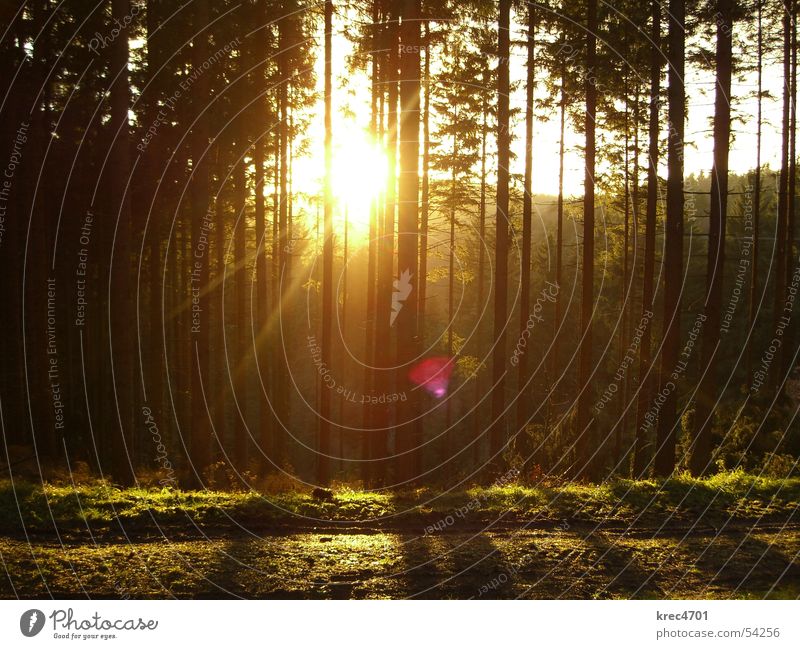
510 563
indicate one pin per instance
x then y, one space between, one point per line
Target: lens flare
433 374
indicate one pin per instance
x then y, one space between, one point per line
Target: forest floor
733 535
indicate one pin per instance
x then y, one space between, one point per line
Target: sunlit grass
734 495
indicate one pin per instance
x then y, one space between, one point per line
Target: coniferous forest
399 298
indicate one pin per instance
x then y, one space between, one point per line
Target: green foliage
729 495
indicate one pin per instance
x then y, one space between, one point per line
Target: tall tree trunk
12 390
262 275
323 446
707 391
285 244
498 424
756 193
369 336
422 275
555 368
222 398
624 295
783 194
630 281
36 277
383 360
787 349
274 351
290 193
200 429
425 197
121 311
523 403
664 463
646 373
152 158
585 431
451 271
276 210
408 232
241 367
343 332
479 383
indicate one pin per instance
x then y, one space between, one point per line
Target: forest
394 298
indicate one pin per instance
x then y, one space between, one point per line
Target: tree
498 428
286 35
559 243
369 336
457 112
120 311
701 453
422 273
408 228
261 113
646 372
383 305
791 263
486 41
323 469
239 369
668 423
527 212
200 199
783 194
585 429
754 283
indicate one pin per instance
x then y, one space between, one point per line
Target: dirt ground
366 564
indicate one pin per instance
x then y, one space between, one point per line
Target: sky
354 170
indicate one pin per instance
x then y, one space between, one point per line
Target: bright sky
358 166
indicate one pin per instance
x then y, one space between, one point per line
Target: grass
733 496
621 539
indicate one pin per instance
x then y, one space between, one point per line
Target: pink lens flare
433 374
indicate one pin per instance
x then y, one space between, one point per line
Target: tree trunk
585 430
285 245
408 233
476 421
624 295
369 336
646 373
323 448
523 403
451 267
262 275
754 279
788 349
555 368
240 368
153 159
425 197
383 360
200 429
498 438
668 423
422 276
707 391
783 196
120 305
222 397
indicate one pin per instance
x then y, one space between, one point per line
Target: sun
359 172
359 177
